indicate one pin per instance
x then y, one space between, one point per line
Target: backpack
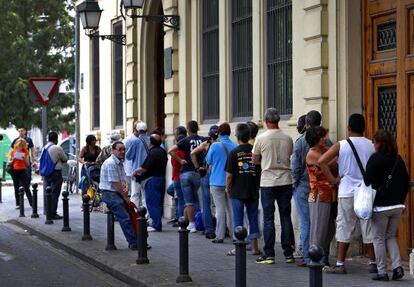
47 166
198 220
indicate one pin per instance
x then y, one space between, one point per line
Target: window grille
210 60
387 109
279 55
242 87
118 84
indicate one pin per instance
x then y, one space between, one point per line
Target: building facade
231 59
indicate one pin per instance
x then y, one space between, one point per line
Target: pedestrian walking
189 178
55 179
387 173
115 191
137 153
153 169
204 172
242 186
216 158
272 150
349 180
32 151
323 194
19 160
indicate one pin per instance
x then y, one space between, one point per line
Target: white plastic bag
363 201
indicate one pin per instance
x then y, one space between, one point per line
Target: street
25 260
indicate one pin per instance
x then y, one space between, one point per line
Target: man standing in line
301 186
55 179
127 163
137 153
189 177
154 168
115 191
23 135
350 178
272 150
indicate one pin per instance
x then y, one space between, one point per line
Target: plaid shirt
112 170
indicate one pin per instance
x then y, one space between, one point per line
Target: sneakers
381 277
172 220
372 268
210 235
397 273
289 259
298 254
192 227
151 229
337 269
265 260
301 263
17 206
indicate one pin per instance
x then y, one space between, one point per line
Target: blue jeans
252 206
205 193
179 202
190 183
154 198
301 194
283 196
115 202
55 181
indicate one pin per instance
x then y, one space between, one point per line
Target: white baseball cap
141 126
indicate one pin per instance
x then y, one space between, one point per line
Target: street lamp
135 8
90 14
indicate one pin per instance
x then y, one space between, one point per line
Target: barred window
95 83
242 89
210 60
279 55
118 63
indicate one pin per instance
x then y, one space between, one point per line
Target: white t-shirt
349 171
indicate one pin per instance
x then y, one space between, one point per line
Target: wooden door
388 89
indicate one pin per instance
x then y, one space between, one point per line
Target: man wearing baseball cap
137 153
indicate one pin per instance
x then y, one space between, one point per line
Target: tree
36 40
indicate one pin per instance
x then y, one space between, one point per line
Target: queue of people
322 178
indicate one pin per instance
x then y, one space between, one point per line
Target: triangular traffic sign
44 88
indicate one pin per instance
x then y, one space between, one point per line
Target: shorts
347 220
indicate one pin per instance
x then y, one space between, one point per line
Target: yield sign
44 88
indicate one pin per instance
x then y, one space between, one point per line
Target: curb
111 271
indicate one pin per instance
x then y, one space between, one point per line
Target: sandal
231 253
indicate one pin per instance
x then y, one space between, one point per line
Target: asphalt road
26 260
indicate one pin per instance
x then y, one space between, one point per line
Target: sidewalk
209 266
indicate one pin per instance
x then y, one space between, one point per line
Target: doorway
388 86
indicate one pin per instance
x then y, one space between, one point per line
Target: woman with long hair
387 173
89 153
19 158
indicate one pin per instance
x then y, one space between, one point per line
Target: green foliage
35 46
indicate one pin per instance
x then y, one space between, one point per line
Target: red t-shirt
20 159
176 165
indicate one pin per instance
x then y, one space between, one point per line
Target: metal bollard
110 232
142 236
34 202
48 205
86 218
315 267
65 200
21 201
183 234
240 232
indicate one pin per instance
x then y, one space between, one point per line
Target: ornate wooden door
388 77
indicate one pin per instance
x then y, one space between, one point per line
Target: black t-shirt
246 175
28 140
156 162
187 145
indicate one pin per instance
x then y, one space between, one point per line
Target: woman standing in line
387 173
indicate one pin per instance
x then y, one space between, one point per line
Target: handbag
9 167
364 195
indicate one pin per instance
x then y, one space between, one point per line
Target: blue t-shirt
217 159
